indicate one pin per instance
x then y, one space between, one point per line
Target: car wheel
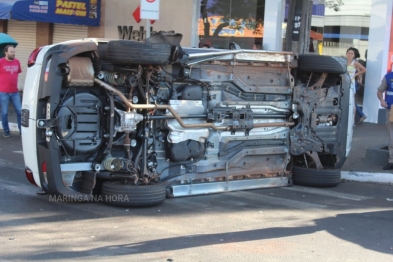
316 177
134 52
117 193
321 64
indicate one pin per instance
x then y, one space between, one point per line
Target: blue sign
78 12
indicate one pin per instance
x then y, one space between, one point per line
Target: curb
377 155
367 177
13 126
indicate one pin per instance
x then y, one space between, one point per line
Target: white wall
340 49
352 13
379 38
351 8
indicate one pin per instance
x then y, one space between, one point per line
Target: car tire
321 64
134 52
117 193
316 177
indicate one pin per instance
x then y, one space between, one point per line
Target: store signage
297 21
71 8
78 12
131 33
137 15
150 9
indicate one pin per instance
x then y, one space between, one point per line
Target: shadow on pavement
356 228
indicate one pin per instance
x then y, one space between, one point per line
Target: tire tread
316 178
134 52
321 64
138 195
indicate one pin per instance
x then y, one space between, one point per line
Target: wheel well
304 160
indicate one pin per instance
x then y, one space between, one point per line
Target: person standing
359 111
387 88
9 71
355 71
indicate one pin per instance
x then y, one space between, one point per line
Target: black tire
316 178
321 64
134 52
117 193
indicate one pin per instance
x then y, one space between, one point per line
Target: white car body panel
30 103
351 121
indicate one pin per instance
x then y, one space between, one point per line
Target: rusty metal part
176 116
241 55
326 119
315 157
127 145
238 52
320 81
79 71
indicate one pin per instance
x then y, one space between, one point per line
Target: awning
5 8
79 12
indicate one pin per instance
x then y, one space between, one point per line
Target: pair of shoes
388 166
362 119
6 135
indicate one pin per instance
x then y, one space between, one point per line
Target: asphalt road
351 222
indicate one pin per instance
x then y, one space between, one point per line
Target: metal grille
62 33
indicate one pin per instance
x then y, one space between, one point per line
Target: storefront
335 26
24 33
122 20
62 32
366 25
36 23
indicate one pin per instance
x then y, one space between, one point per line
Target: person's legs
359 110
360 113
4 100
15 99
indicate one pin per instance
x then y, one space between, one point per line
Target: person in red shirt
9 71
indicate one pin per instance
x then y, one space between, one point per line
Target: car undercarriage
150 120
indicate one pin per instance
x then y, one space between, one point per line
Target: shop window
224 21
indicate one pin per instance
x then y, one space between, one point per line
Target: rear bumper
40 100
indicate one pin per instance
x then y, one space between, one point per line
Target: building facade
335 26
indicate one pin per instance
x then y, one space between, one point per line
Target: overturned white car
150 120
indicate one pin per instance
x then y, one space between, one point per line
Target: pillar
377 57
272 32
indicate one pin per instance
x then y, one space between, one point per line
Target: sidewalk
356 167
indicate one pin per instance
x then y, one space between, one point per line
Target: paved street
351 222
